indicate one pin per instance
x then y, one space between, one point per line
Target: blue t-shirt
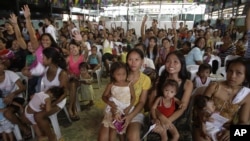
194 55
2 105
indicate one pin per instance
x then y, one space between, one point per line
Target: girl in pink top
74 59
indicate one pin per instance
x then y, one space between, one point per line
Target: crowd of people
60 61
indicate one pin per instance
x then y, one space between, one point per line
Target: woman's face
46 61
166 44
173 64
134 61
74 50
152 43
201 43
8 26
236 74
15 45
2 45
46 42
30 48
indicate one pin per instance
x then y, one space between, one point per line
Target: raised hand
77 36
173 22
145 18
26 11
13 18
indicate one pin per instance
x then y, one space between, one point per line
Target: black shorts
107 56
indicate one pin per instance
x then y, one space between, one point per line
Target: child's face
83 70
30 48
169 91
204 73
210 107
120 75
93 51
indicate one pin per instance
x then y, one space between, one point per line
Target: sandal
75 118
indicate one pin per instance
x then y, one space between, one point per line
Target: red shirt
166 111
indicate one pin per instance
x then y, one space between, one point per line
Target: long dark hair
183 74
245 63
136 50
56 57
155 49
53 42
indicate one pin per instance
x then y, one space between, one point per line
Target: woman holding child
175 69
141 84
231 98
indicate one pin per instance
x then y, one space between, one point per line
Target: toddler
202 78
86 89
39 102
119 96
205 116
165 104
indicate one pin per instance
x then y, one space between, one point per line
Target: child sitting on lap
41 101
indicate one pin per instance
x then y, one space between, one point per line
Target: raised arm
142 27
18 34
175 34
34 41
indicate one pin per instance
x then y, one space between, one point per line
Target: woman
55 75
195 55
230 97
141 83
176 69
73 61
12 89
152 50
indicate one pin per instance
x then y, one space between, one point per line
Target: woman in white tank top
55 75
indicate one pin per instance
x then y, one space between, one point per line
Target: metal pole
128 14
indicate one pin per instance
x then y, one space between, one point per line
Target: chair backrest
162 68
214 57
230 57
193 69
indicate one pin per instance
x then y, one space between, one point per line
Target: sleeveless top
122 94
198 82
48 84
74 64
93 60
180 90
167 111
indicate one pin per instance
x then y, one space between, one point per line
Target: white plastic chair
214 57
193 69
24 78
230 57
162 68
98 73
17 133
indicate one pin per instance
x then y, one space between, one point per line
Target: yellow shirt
123 57
143 83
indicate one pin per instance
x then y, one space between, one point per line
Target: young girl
204 115
202 78
41 101
119 96
94 60
86 89
165 104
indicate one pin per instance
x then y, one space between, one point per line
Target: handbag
38 70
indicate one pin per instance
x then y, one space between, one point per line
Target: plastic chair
230 57
193 69
25 79
17 133
98 73
162 68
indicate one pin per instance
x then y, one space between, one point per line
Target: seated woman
231 98
176 70
226 49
